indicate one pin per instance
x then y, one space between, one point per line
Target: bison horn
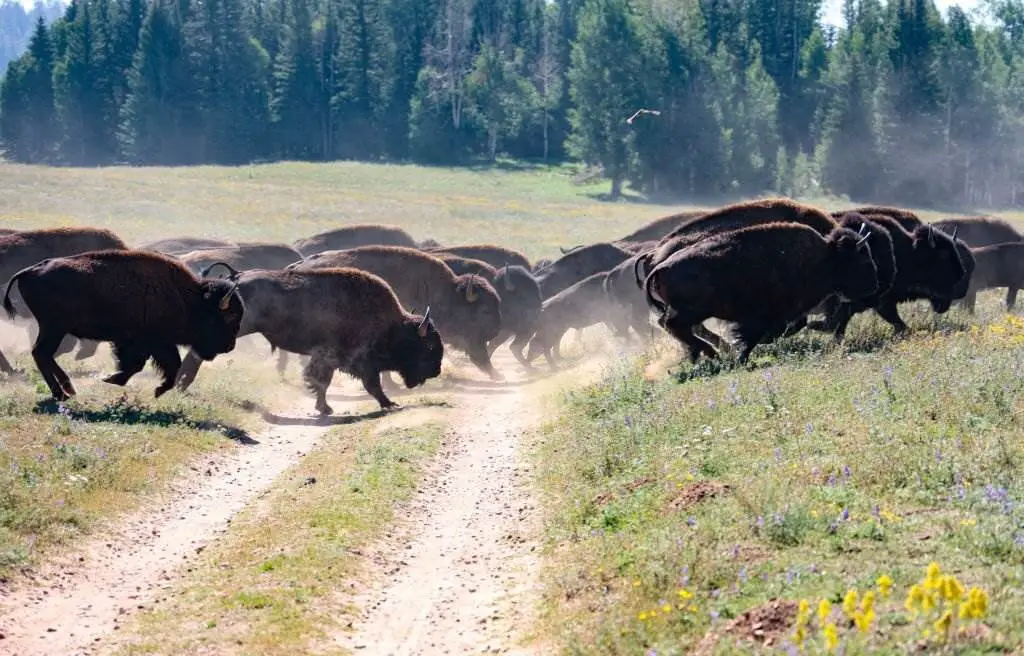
508 281
863 227
226 300
233 272
955 228
931 236
422 328
470 292
860 242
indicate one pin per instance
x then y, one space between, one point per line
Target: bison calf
762 278
999 265
581 305
144 303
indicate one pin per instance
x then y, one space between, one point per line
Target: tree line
901 104
16 25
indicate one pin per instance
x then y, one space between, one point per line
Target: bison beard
144 303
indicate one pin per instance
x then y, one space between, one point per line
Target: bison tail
652 300
8 306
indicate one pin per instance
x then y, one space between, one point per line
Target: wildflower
845 515
952 589
831 636
931 580
976 605
850 602
713 614
804 609
884 585
943 623
824 610
867 604
636 583
684 594
642 617
890 516
667 608
863 620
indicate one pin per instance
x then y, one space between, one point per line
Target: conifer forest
902 104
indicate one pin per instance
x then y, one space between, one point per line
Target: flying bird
642 111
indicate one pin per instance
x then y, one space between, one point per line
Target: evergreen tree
361 63
29 128
295 103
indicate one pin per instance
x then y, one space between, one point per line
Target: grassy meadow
686 509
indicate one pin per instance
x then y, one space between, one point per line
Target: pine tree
295 104
604 79
39 134
14 117
360 63
409 24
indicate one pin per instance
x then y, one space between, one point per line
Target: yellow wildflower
968 522
636 583
684 594
915 598
824 610
884 585
667 608
831 636
931 580
800 635
867 604
642 617
863 620
850 602
889 516
691 608
804 608
943 623
976 605
952 589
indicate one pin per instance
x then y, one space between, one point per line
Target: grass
274 584
813 472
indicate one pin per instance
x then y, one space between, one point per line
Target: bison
578 306
24 248
579 264
979 230
496 256
354 236
179 245
997 265
658 228
466 308
627 305
732 217
342 318
243 257
145 303
763 278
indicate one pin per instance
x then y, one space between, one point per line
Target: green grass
814 471
274 584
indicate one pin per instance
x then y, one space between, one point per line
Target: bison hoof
325 409
116 379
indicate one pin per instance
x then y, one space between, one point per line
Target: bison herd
369 299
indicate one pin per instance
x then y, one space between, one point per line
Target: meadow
678 502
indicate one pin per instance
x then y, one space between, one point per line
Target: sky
833 9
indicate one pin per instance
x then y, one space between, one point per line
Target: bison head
880 242
939 266
217 318
857 275
415 349
474 318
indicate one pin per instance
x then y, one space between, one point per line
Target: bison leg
517 347
503 335
282 362
682 329
1011 298
167 360
478 356
86 349
371 383
189 370
750 336
317 375
891 315
131 358
43 352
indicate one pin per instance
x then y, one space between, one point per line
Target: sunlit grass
814 471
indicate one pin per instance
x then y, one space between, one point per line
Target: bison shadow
129 413
275 419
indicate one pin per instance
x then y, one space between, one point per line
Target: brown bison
627 304
243 257
145 303
998 265
658 228
354 236
344 319
578 306
578 264
179 245
24 248
763 278
466 308
732 217
979 230
496 256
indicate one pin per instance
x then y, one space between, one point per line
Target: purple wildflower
778 454
809 428
846 472
628 420
736 551
714 615
760 522
691 522
743 575
845 515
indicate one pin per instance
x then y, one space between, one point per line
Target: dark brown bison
732 217
496 256
979 230
145 303
997 265
658 228
243 257
520 300
466 308
627 304
24 248
354 236
179 245
763 278
344 319
908 219
579 264
578 306
929 266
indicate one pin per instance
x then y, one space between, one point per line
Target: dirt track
459 576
